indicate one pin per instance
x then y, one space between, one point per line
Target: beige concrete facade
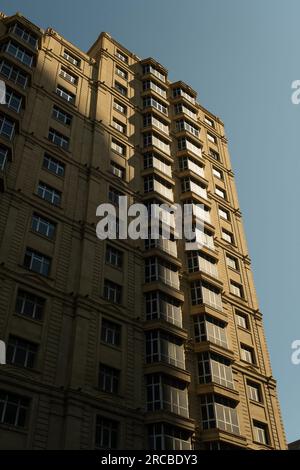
120 344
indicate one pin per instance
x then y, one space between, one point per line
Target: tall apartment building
125 344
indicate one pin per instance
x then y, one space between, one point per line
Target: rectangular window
119 126
61 115
254 392
117 170
214 368
112 291
227 236
232 262
166 393
114 256
66 75
71 58
24 34
224 214
29 305
4 156
204 293
161 347
110 332
210 329
49 194
43 226
217 173
65 94
13 409
213 154
242 320
13 100
221 192
150 85
7 127
260 433
109 379
35 261
19 53
160 305
106 433
121 89
58 139
247 354
219 412
53 165
180 92
121 56
154 103
13 73
164 436
113 195
211 138
118 147
120 107
148 68
21 352
208 121
236 289
122 73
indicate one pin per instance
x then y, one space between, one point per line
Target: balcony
161 347
183 125
154 184
151 161
159 270
151 140
169 246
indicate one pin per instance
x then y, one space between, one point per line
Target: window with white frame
21 352
152 120
120 107
43 226
198 261
260 432
247 354
211 138
166 393
215 368
122 73
106 435
151 85
58 139
219 412
204 293
110 332
29 305
160 270
149 101
182 109
119 125
223 213
184 94
68 76
236 289
13 409
118 147
120 55
114 194
217 173
232 262
65 94
112 291
227 236
109 379
49 194
209 121
208 328
52 164
71 58
183 125
221 192
148 68
254 391
213 154
37 262
113 256
164 436
152 160
4 156
159 305
242 320
117 170
162 347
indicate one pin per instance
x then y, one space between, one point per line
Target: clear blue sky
241 57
